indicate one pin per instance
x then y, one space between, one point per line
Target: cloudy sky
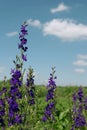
57 37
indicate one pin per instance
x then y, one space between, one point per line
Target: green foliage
33 114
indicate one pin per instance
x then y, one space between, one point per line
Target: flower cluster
30 87
17 80
50 98
23 42
2 105
78 108
2 111
4 90
14 117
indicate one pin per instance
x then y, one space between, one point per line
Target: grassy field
32 115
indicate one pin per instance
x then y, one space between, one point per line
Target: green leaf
60 127
63 114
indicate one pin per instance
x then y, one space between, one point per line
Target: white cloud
81 56
80 70
80 63
67 30
61 7
11 34
35 23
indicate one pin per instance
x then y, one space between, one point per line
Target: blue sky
57 37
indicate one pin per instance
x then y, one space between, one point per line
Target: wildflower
85 103
24 57
18 119
2 103
17 80
80 121
13 105
30 87
44 118
2 111
80 94
23 42
78 107
31 101
50 98
4 89
23 30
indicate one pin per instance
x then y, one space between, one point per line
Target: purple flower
1 93
24 57
18 119
22 47
2 103
2 112
17 80
13 106
18 95
30 81
78 107
4 90
11 114
51 82
25 49
50 98
13 90
31 93
44 118
85 103
80 94
31 101
30 87
74 97
50 94
23 41
23 31
73 128
80 121
49 109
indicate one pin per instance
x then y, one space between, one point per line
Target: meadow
26 106
33 114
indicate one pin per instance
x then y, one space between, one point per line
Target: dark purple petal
44 118
24 57
18 119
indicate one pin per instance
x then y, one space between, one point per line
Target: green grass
34 113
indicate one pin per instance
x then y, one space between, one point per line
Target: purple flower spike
74 97
30 87
80 94
79 104
23 30
50 98
17 80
